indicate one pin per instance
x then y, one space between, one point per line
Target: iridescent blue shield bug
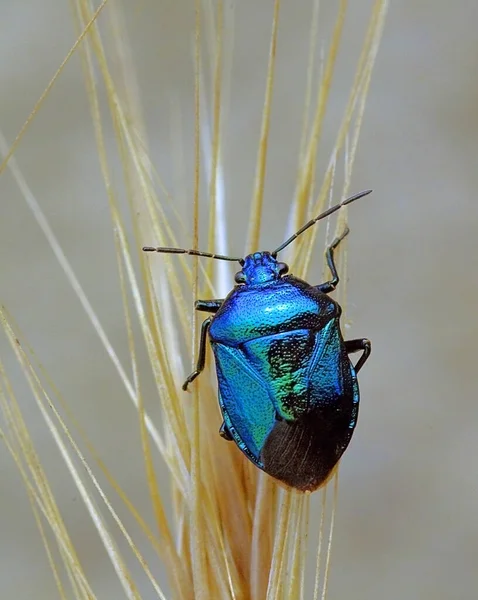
287 389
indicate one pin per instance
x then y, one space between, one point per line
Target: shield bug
287 389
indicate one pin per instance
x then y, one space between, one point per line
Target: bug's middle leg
357 345
329 286
202 353
225 433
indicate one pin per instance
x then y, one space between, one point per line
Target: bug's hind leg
202 353
225 433
357 345
329 286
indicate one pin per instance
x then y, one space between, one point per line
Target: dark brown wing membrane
303 453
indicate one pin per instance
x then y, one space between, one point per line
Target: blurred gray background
407 523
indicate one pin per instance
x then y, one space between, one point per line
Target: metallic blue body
287 389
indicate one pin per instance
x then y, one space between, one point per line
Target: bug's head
260 267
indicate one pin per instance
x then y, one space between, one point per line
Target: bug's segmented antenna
192 253
326 213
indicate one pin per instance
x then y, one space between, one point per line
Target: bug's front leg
211 306
355 346
329 286
202 353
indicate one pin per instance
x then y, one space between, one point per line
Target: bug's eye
239 277
283 268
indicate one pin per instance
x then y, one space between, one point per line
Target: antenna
192 253
326 213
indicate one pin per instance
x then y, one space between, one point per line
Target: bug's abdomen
303 447
303 453
290 401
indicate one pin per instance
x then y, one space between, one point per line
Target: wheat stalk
231 531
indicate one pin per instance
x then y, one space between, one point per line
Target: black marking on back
288 359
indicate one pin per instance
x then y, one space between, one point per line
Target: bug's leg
329 286
225 433
211 306
357 345
202 353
